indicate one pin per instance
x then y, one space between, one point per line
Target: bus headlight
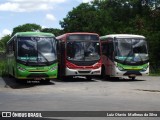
53 68
144 68
20 68
120 68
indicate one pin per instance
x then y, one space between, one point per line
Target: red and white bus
124 55
79 54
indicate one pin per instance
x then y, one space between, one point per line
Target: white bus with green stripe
124 55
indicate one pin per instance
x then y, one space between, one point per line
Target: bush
3 65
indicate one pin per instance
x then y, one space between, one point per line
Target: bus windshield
131 50
83 50
36 49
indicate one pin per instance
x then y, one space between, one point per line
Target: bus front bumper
132 73
82 72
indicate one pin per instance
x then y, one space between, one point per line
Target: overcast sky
46 13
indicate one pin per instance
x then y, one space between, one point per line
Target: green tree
118 16
80 19
54 31
103 17
26 27
3 42
1 46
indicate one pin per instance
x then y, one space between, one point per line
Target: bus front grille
84 71
132 72
37 71
84 63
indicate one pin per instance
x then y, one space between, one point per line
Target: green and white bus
32 56
124 55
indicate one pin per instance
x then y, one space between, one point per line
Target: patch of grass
155 73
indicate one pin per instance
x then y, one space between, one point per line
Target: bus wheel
88 77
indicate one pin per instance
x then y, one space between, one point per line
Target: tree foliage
54 31
81 19
26 27
3 42
119 16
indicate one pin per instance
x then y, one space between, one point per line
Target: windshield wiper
28 57
127 56
140 58
43 57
